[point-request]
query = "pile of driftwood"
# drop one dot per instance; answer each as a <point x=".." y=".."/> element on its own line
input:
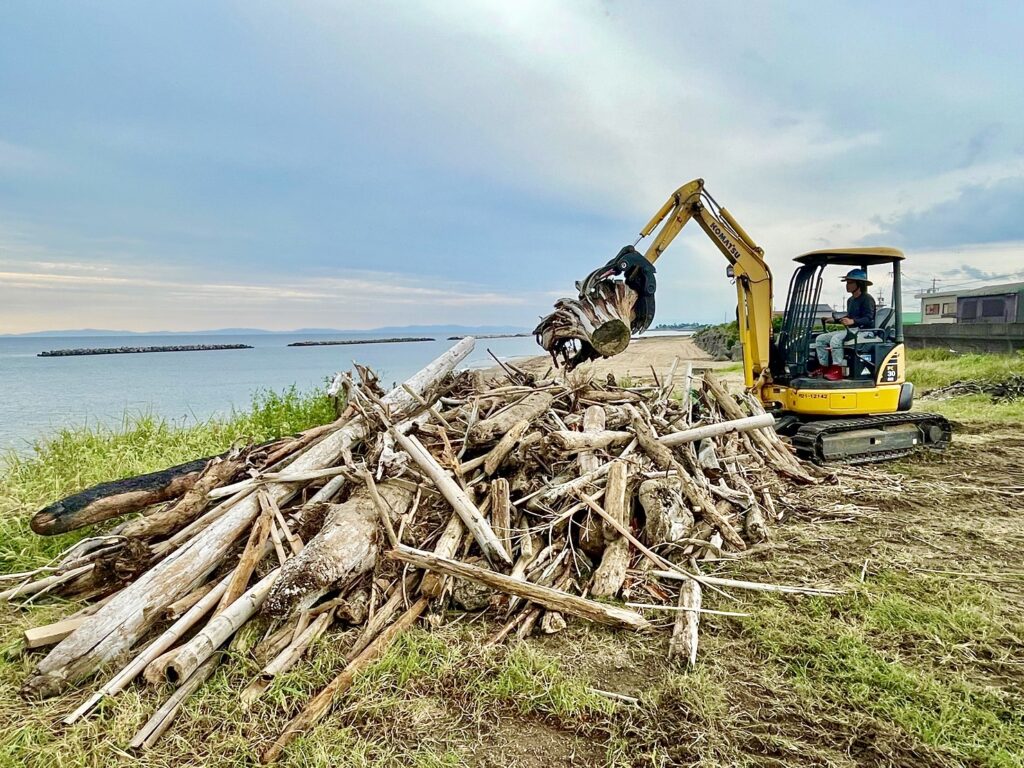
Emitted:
<point x="1001" y="390"/>
<point x="540" y="501"/>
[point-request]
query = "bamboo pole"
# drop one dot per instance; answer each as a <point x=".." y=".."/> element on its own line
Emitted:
<point x="222" y="626"/>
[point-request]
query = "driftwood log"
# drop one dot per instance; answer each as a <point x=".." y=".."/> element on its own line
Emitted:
<point x="683" y="645"/>
<point x="545" y="596"/>
<point x="118" y="497"/>
<point x="591" y="326"/>
<point x="611" y="572"/>
<point x="343" y="550"/>
<point x="494" y="428"/>
<point x="666" y="518"/>
<point x="696" y="495"/>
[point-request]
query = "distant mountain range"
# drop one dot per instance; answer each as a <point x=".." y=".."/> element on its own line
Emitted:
<point x="449" y="330"/>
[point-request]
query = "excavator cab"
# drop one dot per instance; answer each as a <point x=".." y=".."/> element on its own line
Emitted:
<point x="868" y="352"/>
<point x="864" y="416"/>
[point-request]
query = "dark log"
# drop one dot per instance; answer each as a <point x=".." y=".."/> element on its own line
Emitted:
<point x="192" y="503"/>
<point x="118" y="497"/>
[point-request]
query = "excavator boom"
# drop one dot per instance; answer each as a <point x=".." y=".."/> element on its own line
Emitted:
<point x="752" y="276"/>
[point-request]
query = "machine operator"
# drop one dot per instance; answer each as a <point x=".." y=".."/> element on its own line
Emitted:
<point x="860" y="313"/>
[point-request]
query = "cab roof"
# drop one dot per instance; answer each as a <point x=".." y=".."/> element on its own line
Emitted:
<point x="852" y="257"/>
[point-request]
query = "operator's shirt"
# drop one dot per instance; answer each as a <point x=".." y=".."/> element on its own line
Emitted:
<point x="861" y="309"/>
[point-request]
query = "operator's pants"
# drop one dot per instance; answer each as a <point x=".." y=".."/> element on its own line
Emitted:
<point x="831" y="341"/>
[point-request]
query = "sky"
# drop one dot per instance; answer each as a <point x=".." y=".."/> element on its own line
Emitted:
<point x="195" y="165"/>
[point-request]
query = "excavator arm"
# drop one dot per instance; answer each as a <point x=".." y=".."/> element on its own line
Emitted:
<point x="751" y="273"/>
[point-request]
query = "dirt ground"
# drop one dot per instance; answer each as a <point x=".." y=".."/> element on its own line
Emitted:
<point x="908" y="669"/>
<point x="637" y="361"/>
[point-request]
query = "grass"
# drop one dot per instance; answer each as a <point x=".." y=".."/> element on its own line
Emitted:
<point x="933" y="368"/>
<point x="76" y="458"/>
<point x="896" y="650"/>
<point x="930" y="369"/>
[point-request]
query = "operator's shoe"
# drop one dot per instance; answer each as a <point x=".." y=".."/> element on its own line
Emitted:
<point x="834" y="373"/>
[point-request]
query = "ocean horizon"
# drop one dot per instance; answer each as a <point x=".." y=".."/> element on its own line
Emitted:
<point x="40" y="395"/>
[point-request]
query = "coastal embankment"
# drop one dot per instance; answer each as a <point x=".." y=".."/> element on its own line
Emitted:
<point x="347" y="342"/>
<point x="140" y="350"/>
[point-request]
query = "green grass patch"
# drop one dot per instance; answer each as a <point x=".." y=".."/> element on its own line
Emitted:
<point x="521" y="676"/>
<point x="933" y="368"/>
<point x="894" y="649"/>
<point x="76" y="458"/>
<point x="978" y="408"/>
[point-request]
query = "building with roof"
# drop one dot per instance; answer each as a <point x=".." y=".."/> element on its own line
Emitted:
<point x="1002" y="303"/>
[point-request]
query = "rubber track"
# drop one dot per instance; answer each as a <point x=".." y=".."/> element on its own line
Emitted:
<point x="808" y="438"/>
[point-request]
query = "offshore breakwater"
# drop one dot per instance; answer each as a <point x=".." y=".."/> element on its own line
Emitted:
<point x="346" y="342"/>
<point x="140" y="350"/>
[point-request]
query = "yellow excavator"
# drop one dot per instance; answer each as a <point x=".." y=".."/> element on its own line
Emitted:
<point x="863" y="417"/>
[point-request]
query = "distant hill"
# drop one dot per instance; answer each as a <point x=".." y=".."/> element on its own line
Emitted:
<point x="418" y="330"/>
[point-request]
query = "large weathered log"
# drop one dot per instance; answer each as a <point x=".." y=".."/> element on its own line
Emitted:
<point x="344" y="549"/>
<point x="589" y="326"/>
<point x="577" y="442"/>
<point x="544" y="596"/>
<point x="501" y="512"/>
<point x="122" y="621"/>
<point x="667" y="519"/>
<point x="611" y="573"/>
<point x="664" y="459"/>
<point x="491" y="430"/>
<point x="154" y="650"/>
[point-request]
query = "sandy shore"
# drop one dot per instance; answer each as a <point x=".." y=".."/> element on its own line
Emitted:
<point x="640" y="357"/>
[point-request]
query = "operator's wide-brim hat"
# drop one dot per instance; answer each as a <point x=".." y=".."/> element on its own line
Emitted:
<point x="859" y="275"/>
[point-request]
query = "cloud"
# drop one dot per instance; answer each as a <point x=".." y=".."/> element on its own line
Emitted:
<point x="979" y="213"/>
<point x="478" y="156"/>
<point x="358" y="300"/>
<point x="17" y="157"/>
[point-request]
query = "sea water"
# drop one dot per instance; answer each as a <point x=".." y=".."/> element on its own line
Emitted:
<point x="40" y="395"/>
